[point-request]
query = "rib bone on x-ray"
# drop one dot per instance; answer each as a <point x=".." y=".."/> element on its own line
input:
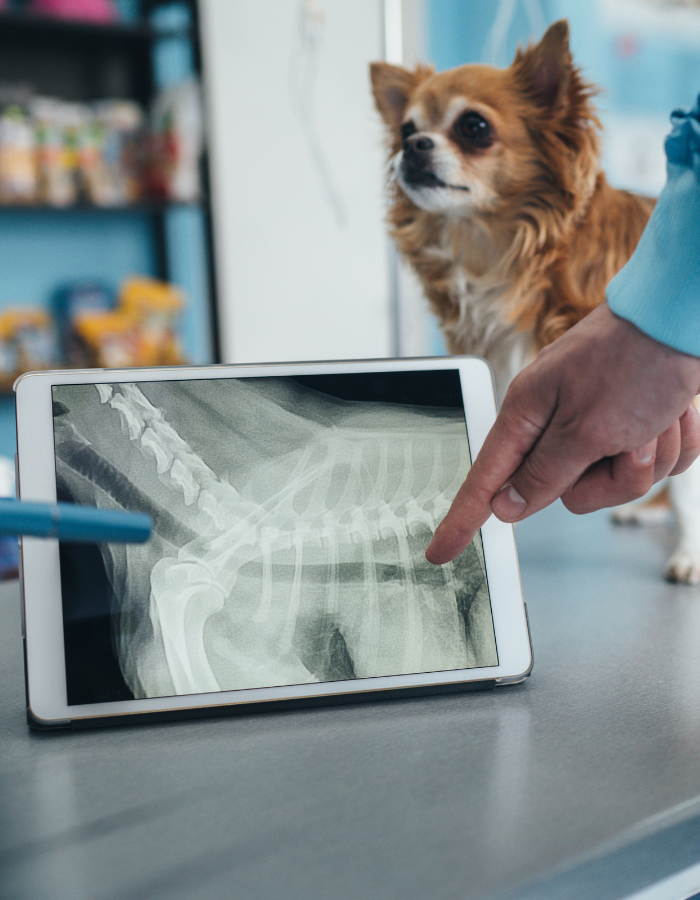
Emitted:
<point x="290" y="532"/>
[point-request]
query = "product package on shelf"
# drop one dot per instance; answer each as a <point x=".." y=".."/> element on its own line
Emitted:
<point x="140" y="331"/>
<point x="69" y="303"/>
<point x="105" y="153"/>
<point x="101" y="11"/>
<point x="175" y="144"/>
<point x="119" y="125"/>
<point x="28" y="342"/>
<point x="88" y="327"/>
<point x="59" y="154"/>
<point x="17" y="167"/>
<point x="54" y="121"/>
<point x="87" y="153"/>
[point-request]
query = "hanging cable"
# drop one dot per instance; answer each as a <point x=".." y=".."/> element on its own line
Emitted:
<point x="498" y="32"/>
<point x="495" y="44"/>
<point x="302" y="86"/>
<point x="535" y="13"/>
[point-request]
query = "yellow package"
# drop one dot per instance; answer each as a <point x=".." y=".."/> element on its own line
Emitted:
<point x="111" y="338"/>
<point x="155" y="305"/>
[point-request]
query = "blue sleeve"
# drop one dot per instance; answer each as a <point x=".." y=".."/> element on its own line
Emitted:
<point x="659" y="288"/>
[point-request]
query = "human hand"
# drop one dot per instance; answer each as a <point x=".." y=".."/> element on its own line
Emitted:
<point x="599" y="416"/>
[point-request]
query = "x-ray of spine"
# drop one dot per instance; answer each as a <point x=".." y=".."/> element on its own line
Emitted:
<point x="290" y="531"/>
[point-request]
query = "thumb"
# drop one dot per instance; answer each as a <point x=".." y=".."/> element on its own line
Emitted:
<point x="556" y="461"/>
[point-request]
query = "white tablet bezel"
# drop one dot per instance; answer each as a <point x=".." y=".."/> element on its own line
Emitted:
<point x="40" y="571"/>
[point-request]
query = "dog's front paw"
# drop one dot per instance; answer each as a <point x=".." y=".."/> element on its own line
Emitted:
<point x="641" y="513"/>
<point x="683" y="567"/>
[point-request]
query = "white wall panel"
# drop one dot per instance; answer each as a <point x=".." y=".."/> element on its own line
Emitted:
<point x="294" y="282"/>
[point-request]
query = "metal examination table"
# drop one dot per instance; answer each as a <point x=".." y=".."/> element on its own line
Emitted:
<point x="581" y="784"/>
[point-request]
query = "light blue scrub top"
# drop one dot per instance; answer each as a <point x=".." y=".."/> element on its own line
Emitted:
<point x="659" y="288"/>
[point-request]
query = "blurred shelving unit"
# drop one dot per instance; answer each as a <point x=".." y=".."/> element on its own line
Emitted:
<point x="42" y="246"/>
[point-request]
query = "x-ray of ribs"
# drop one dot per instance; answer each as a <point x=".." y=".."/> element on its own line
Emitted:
<point x="290" y="532"/>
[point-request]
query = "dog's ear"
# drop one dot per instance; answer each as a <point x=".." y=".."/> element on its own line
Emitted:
<point x="392" y="87"/>
<point x="545" y="70"/>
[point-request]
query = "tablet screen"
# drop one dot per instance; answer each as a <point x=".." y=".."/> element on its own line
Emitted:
<point x="291" y="517"/>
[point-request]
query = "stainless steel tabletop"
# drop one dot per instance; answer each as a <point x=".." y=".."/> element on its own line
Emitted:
<point x="523" y="790"/>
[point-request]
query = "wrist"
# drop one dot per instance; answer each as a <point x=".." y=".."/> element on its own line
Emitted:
<point x="629" y="332"/>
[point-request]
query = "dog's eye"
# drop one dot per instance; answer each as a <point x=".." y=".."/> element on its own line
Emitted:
<point x="474" y="128"/>
<point x="407" y="129"/>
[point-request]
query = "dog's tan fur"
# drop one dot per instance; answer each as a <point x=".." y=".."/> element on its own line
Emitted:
<point x="536" y="232"/>
<point x="513" y="230"/>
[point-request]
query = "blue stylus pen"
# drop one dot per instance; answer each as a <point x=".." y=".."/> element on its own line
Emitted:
<point x="69" y="522"/>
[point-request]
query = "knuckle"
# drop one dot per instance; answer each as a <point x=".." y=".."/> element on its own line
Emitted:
<point x="594" y="437"/>
<point x="585" y="496"/>
<point x="690" y="442"/>
<point x="469" y="509"/>
<point x="631" y="494"/>
<point x="611" y="482"/>
<point x="519" y="387"/>
<point x="523" y="407"/>
<point x="458" y="527"/>
<point x="685" y="461"/>
<point x="632" y="488"/>
<point x="534" y="475"/>
<point x="471" y="495"/>
<point x="585" y="435"/>
<point x="665" y="466"/>
<point x="575" y="505"/>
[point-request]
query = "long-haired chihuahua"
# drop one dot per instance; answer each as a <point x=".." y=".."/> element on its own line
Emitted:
<point x="499" y="204"/>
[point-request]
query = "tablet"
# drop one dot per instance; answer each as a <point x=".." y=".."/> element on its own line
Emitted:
<point x="292" y="506"/>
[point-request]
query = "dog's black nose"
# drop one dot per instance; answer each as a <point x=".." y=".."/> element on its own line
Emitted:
<point x="418" y="143"/>
<point x="417" y="162"/>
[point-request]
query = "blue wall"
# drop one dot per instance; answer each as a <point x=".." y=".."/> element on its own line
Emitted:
<point x="187" y="263"/>
<point x="457" y="31"/>
<point x="41" y="250"/>
<point x="639" y="71"/>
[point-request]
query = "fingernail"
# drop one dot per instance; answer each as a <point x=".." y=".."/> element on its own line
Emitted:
<point x="646" y="453"/>
<point x="508" y="504"/>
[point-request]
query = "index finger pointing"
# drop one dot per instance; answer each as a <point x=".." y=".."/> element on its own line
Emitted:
<point x="511" y="438"/>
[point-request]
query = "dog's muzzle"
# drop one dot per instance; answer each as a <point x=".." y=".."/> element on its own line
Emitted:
<point x="417" y="162"/>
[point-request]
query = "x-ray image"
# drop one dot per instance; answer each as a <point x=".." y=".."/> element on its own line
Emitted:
<point x="291" y="520"/>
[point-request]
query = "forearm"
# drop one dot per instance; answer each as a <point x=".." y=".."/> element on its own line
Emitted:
<point x="659" y="288"/>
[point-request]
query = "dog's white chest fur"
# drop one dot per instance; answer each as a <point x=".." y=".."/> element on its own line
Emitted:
<point x="483" y="328"/>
